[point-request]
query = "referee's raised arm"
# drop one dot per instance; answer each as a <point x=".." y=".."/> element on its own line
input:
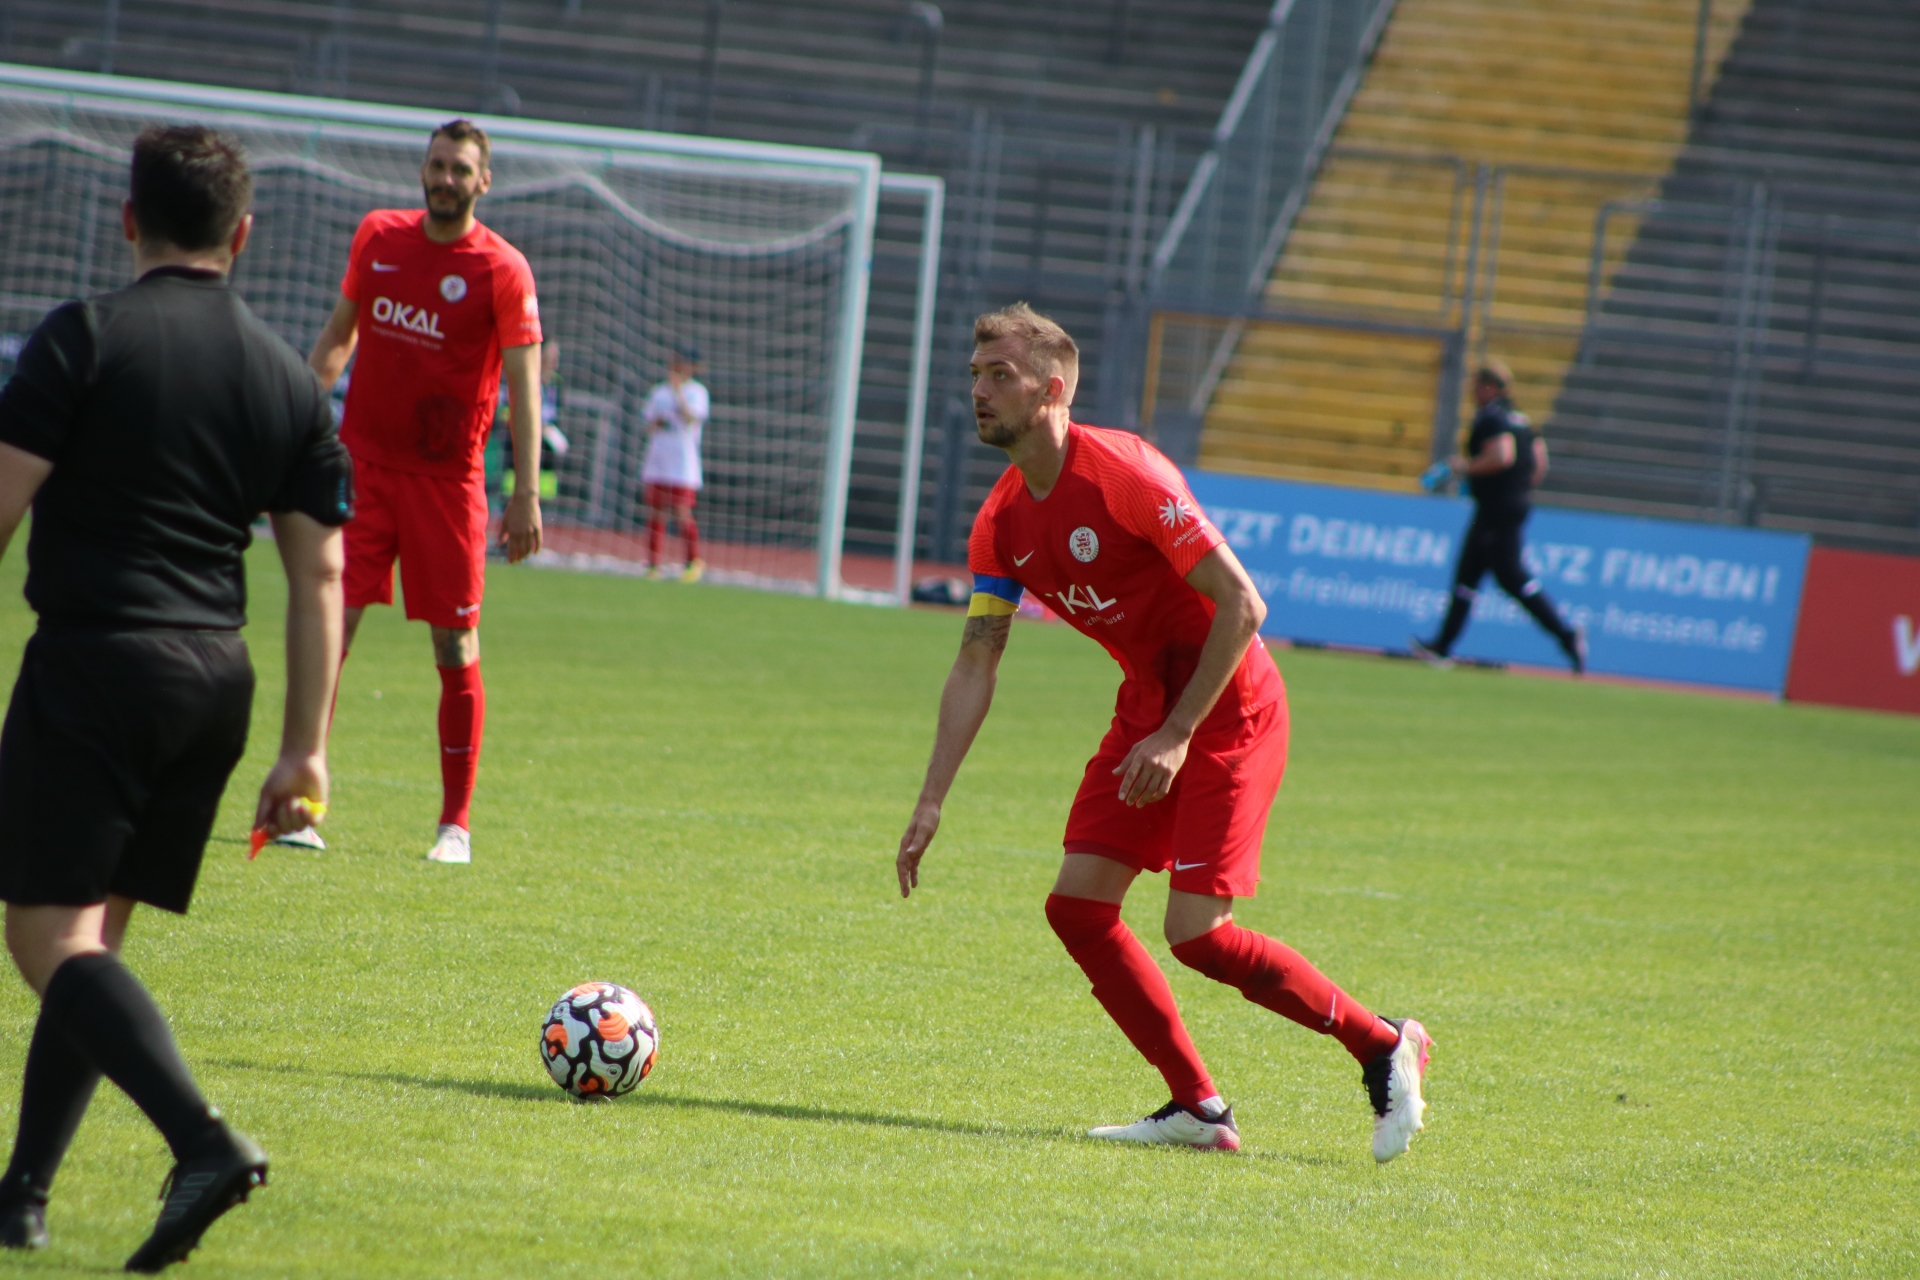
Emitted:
<point x="148" y="429"/>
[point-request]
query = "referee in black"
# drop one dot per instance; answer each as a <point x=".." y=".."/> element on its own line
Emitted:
<point x="1503" y="463"/>
<point x="147" y="429"/>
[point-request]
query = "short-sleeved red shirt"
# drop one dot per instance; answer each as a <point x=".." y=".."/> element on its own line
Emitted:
<point x="1109" y="550"/>
<point x="433" y="319"/>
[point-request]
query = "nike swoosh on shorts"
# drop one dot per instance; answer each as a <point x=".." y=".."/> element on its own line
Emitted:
<point x="1187" y="866"/>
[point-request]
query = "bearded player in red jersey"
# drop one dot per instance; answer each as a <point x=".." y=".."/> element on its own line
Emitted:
<point x="437" y="305"/>
<point x="1102" y="528"/>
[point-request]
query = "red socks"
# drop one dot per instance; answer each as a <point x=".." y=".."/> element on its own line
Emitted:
<point x="1275" y="976"/>
<point x="657" y="535"/>
<point x="1133" y="991"/>
<point x="463" y="710"/>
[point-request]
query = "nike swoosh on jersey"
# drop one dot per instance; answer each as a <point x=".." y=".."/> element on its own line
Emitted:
<point x="1187" y="866"/>
<point x="381" y="266"/>
<point x="1020" y="560"/>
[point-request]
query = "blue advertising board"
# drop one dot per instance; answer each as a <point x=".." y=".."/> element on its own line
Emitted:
<point x="1700" y="603"/>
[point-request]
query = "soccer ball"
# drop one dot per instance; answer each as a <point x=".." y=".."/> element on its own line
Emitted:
<point x="600" y="1041"/>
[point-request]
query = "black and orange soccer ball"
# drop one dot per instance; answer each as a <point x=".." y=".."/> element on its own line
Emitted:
<point x="599" y="1041"/>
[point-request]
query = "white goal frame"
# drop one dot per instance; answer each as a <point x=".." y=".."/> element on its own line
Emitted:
<point x="862" y="171"/>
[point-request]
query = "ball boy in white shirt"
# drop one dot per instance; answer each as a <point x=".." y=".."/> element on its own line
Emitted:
<point x="676" y="412"/>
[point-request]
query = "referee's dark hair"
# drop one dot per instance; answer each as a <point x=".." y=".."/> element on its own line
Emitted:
<point x="191" y="185"/>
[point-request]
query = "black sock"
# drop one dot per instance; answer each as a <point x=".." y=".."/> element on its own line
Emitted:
<point x="1547" y="616"/>
<point x="1456" y="623"/>
<point x="110" y="1018"/>
<point x="54" y="1092"/>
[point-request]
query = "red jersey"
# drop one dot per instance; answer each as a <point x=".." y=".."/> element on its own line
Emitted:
<point x="433" y="320"/>
<point x="1109" y="550"/>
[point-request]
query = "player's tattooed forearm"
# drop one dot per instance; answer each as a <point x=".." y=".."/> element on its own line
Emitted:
<point x="991" y="632"/>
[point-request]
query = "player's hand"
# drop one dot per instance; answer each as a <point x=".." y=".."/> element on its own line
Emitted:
<point x="913" y="845"/>
<point x="288" y="795"/>
<point x="1146" y="775"/>
<point x="521" y="529"/>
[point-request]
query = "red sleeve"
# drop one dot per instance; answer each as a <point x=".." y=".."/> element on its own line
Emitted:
<point x="982" y="557"/>
<point x="350" y="283"/>
<point x="516" y="310"/>
<point x="1149" y="498"/>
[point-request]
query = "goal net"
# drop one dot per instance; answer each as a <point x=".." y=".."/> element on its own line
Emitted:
<point x="641" y="244"/>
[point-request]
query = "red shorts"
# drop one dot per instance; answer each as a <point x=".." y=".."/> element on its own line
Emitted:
<point x="1208" y="829"/>
<point x="438" y="529"/>
<point x="670" y="497"/>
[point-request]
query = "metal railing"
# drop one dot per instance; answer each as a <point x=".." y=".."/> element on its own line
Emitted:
<point x="1239" y="205"/>
<point x="1460" y="315"/>
<point x="1752" y="361"/>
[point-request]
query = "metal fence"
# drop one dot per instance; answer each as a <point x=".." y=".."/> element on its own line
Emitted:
<point x="1211" y="262"/>
<point x="1755" y="360"/>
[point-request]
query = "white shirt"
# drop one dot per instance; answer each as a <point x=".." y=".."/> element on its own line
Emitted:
<point x="673" y="455"/>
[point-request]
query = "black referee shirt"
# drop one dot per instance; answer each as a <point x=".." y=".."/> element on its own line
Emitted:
<point x="1506" y="494"/>
<point x="173" y="417"/>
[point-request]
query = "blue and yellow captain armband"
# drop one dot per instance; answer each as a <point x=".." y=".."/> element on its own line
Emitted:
<point x="993" y="597"/>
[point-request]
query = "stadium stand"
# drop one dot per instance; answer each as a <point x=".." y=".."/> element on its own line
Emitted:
<point x="1758" y="357"/>
<point x="1064" y="131"/>
<point x="1456" y="206"/>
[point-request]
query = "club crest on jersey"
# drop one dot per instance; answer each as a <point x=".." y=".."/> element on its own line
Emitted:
<point x="402" y="316"/>
<point x="1084" y="543"/>
<point x="453" y="288"/>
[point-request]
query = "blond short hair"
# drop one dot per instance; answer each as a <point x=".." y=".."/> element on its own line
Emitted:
<point x="1495" y="373"/>
<point x="1051" y="348"/>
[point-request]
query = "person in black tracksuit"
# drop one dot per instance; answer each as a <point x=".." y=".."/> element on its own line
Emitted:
<point x="1503" y="463"/>
<point x="147" y="429"/>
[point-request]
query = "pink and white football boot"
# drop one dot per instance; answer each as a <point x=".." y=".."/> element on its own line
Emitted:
<point x="1177" y="1126"/>
<point x="1393" y="1086"/>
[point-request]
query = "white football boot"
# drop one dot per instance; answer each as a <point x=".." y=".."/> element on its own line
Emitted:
<point x="304" y="838"/>
<point x="1175" y="1126"/>
<point x="1393" y="1086"/>
<point x="452" y="845"/>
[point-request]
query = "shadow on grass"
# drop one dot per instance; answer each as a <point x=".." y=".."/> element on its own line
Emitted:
<point x="52" y="1264"/>
<point x="515" y="1092"/>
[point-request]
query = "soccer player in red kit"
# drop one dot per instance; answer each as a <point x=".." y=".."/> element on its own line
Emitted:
<point x="1102" y="528"/>
<point x="437" y="305"/>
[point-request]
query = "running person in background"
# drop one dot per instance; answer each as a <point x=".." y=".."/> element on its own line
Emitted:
<point x="148" y="428"/>
<point x="1504" y="461"/>
<point x="436" y="305"/>
<point x="676" y="413"/>
<point x="1102" y="528"/>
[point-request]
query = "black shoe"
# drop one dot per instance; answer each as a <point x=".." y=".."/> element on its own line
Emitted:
<point x="23" y="1223"/>
<point x="1428" y="654"/>
<point x="196" y="1193"/>
<point x="1576" y="650"/>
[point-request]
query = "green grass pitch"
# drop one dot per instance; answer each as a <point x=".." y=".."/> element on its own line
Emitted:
<point x="1666" y="944"/>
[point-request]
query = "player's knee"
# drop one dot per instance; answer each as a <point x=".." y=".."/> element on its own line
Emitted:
<point x="456" y="647"/>
<point x="1079" y="921"/>
<point x="1204" y="953"/>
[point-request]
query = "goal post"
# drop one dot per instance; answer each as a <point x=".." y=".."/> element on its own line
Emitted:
<point x="641" y="243"/>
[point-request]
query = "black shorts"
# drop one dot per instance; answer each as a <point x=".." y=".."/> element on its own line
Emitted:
<point x="117" y="747"/>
